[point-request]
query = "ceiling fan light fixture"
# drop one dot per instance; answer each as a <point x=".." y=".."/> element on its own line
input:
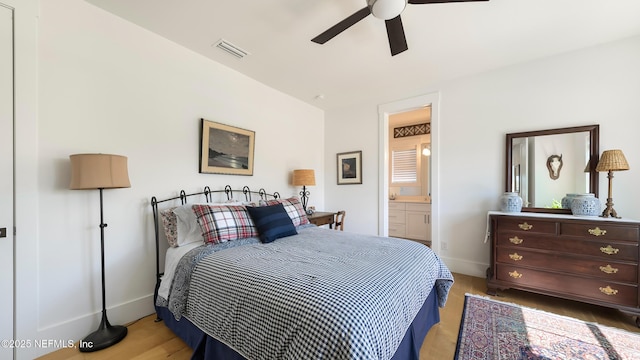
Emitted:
<point x="386" y="9"/>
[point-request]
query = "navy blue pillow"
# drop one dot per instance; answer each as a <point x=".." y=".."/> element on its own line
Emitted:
<point x="272" y="222"/>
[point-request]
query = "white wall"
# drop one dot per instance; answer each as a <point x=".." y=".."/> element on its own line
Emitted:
<point x="598" y="85"/>
<point x="106" y="85"/>
<point x="353" y="129"/>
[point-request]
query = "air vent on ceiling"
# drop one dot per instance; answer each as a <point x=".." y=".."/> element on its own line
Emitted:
<point x="231" y="49"/>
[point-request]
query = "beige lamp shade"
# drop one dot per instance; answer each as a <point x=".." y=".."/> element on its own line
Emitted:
<point x="304" y="177"/>
<point x="612" y="160"/>
<point x="98" y="171"/>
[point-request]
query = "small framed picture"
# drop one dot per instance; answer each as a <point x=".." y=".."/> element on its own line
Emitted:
<point x="226" y="149"/>
<point x="350" y="168"/>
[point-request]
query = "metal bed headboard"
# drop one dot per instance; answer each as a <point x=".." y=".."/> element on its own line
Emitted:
<point x="208" y="195"/>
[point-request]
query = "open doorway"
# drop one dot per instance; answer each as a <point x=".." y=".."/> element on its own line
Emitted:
<point x="414" y="211"/>
<point x="409" y="186"/>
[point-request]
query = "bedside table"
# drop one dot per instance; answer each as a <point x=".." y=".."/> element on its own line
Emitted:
<point x="320" y="218"/>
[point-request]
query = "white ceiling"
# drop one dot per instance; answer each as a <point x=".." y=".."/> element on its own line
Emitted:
<point x="445" y="41"/>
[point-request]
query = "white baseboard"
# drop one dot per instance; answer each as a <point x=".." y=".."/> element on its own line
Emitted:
<point x="466" y="267"/>
<point x="53" y="337"/>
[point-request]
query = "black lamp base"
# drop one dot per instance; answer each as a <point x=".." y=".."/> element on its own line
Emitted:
<point x="103" y="338"/>
<point x="304" y="197"/>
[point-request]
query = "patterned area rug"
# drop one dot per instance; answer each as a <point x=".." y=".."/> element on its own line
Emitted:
<point x="496" y="330"/>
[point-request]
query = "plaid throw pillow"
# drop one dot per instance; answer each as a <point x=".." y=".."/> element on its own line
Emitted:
<point x="293" y="207"/>
<point x="221" y="223"/>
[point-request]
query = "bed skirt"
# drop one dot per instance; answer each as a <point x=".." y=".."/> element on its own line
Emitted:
<point x="207" y="348"/>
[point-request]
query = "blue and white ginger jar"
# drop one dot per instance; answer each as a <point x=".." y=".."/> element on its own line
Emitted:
<point x="510" y="202"/>
<point x="566" y="201"/>
<point x="585" y="205"/>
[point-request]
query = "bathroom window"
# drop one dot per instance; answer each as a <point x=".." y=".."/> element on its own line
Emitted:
<point x="404" y="166"/>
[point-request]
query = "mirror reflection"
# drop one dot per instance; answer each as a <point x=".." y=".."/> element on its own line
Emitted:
<point x="544" y="166"/>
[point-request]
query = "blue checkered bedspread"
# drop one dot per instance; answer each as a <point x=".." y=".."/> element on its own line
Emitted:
<point x="321" y="294"/>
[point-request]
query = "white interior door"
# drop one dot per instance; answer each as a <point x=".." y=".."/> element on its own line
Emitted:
<point x="6" y="180"/>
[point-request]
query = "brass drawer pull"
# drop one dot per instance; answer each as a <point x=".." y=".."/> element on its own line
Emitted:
<point x="516" y="240"/>
<point x="608" y="291"/>
<point x="609" y="250"/>
<point x="524" y="226"/>
<point x="597" y="232"/>
<point x="608" y="269"/>
<point x="514" y="274"/>
<point x="515" y="257"/>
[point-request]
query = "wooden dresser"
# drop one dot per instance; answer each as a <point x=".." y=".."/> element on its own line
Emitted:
<point x="588" y="259"/>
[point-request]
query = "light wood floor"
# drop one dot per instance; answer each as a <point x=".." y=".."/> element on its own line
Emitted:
<point x="150" y="340"/>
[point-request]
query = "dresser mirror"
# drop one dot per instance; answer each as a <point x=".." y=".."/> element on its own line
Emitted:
<point x="543" y="166"/>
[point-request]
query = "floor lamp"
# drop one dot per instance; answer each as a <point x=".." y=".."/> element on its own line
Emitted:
<point x="91" y="172"/>
<point x="611" y="160"/>
<point x="304" y="178"/>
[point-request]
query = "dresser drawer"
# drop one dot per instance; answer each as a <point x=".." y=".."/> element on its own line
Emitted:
<point x="526" y="225"/>
<point x="594" y="289"/>
<point x="610" y="250"/>
<point x="607" y="270"/>
<point x="520" y="240"/>
<point x="602" y="231"/>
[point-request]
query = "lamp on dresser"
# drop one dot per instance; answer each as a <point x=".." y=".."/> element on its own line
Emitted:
<point x="304" y="178"/>
<point x="98" y="172"/>
<point x="611" y="160"/>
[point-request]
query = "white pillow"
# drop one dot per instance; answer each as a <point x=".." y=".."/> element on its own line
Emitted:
<point x="188" y="229"/>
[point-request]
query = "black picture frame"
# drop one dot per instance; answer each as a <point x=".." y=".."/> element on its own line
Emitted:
<point x="349" y="167"/>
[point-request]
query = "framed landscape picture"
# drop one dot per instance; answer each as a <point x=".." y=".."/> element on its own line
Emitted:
<point x="350" y="168"/>
<point x="226" y="149"/>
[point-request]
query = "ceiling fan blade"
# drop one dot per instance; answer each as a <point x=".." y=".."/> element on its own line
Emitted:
<point x="342" y="26"/>
<point x="439" y="1"/>
<point x="395" y="32"/>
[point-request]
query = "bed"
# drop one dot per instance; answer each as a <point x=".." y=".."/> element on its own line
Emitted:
<point x="252" y="279"/>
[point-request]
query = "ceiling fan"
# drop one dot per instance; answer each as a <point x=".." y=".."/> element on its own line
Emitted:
<point x="387" y="10"/>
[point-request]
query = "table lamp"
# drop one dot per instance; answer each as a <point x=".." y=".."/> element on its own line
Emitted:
<point x="304" y="178"/>
<point x="611" y="160"/>
<point x="91" y="172"/>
